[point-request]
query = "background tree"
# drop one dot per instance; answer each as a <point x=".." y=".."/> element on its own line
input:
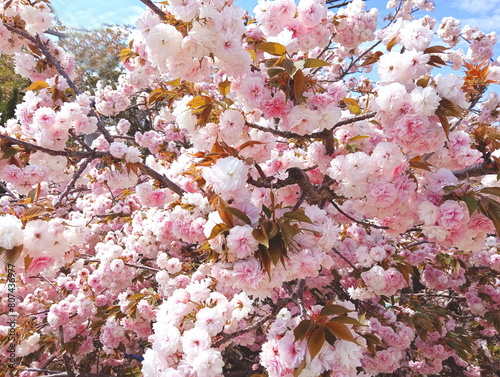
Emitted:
<point x="11" y="86"/>
<point x="96" y="53"/>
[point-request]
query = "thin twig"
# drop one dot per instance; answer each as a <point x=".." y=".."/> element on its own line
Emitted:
<point x="357" y="221"/>
<point x="52" y="152"/>
<point x="300" y="297"/>
<point x="141" y="266"/>
<point x="155" y="9"/>
<point x="316" y="135"/>
<point x="346" y="260"/>
<point x="257" y="325"/>
<point x="7" y="191"/>
<point x="161" y="178"/>
<point x="66" y="357"/>
<point x="73" y="180"/>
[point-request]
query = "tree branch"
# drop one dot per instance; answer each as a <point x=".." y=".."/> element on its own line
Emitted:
<point x="66" y="357"/>
<point x="477" y="170"/>
<point x="161" y="178"/>
<point x="355" y="119"/>
<point x="66" y="153"/>
<point x="357" y="221"/>
<point x="7" y="191"/>
<point x="346" y="260"/>
<point x="323" y="134"/>
<point x="73" y="180"/>
<point x="155" y="9"/>
<point x="53" y="61"/>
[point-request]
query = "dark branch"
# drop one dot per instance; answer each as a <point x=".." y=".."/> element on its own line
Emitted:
<point x="162" y="179"/>
<point x="477" y="170"/>
<point x="357" y="221"/>
<point x="73" y="180"/>
<point x="155" y="9"/>
<point x="52" y="152"/>
<point x="346" y="260"/>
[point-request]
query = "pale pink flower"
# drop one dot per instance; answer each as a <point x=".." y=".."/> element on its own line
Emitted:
<point x="166" y="340"/>
<point x="228" y="174"/>
<point x="311" y="12"/>
<point x="428" y="212"/>
<point x="449" y="31"/>
<point x="425" y="100"/>
<point x="241" y="242"/>
<point x="415" y="36"/>
<point x="290" y="351"/>
<point x="118" y="149"/>
<point x="382" y="194"/>
<point x="442" y="178"/>
<point x="38" y="18"/>
<point x="184" y="10"/>
<point x="453" y="214"/>
<point x="195" y="341"/>
<point x="11" y="234"/>
<point x="248" y="272"/>
<point x="211" y="320"/>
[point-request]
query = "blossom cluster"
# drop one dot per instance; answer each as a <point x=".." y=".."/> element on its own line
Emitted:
<point x="309" y="195"/>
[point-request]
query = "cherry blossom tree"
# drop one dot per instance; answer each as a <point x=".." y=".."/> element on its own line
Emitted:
<point x="314" y="196"/>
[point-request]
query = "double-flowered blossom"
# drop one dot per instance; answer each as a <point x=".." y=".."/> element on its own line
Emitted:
<point x="301" y="195"/>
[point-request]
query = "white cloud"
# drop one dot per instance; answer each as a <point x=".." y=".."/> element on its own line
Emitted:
<point x="477" y="6"/>
<point x="92" y="14"/>
<point x="485" y="24"/>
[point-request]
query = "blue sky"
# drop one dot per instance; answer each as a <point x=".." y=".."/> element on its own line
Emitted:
<point x="92" y="13"/>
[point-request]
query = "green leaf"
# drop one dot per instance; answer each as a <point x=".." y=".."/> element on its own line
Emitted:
<point x="315" y="63"/>
<point x="9" y="152"/>
<point x="450" y="189"/>
<point x="273" y="48"/>
<point x="271" y="228"/>
<point x="276" y="249"/>
<point x="266" y="211"/>
<point x="333" y="309"/>
<point x="302" y="328"/>
<point x="237" y="213"/>
<point x="271" y="62"/>
<point x="348" y="320"/>
<point x="491" y="191"/>
<point x="457" y="347"/>
<point x="315" y="342"/>
<point x="289" y="66"/>
<point x="261" y="236"/>
<point x="288" y="232"/>
<point x="274" y="72"/>
<point x="340" y="330"/>
<point x="297" y="216"/>
<point x="472" y="203"/>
